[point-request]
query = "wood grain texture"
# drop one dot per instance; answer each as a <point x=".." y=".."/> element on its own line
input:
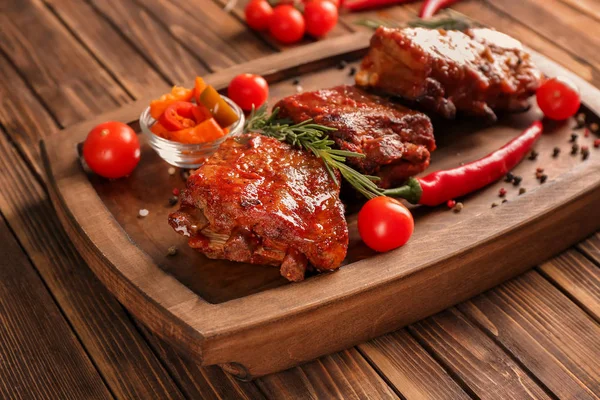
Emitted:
<point x="198" y="382"/>
<point x="344" y="375"/>
<point x="202" y="27"/>
<point x="22" y="115"/>
<point x="40" y="357"/>
<point x="587" y="7"/>
<point x="125" y="361"/>
<point x="410" y="369"/>
<point x="591" y="247"/>
<point x="63" y="74"/>
<point x="124" y="62"/>
<point x="544" y="330"/>
<point x="558" y="22"/>
<point x="153" y="39"/>
<point x="475" y="359"/>
<point x="578" y="278"/>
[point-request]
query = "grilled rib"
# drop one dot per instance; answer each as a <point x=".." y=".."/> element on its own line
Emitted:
<point x="395" y="140"/>
<point x="478" y="71"/>
<point x="260" y="201"/>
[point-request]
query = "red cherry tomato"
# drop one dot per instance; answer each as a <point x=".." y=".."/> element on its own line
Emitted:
<point x="247" y="90"/>
<point x="287" y="24"/>
<point x="177" y="116"/>
<point x="385" y="224"/>
<point x="558" y="98"/>
<point x="321" y="17"/>
<point x="258" y="14"/>
<point x="112" y="150"/>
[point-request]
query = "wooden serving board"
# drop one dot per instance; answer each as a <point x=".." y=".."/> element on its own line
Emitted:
<point x="250" y="320"/>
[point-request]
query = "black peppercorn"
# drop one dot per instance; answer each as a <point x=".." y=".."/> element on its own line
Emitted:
<point x="517" y="180"/>
<point x="574" y="148"/>
<point x="533" y="155"/>
<point x="509" y="177"/>
<point x="555" y="152"/>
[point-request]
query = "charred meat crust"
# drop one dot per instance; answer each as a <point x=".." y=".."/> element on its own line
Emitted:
<point x="392" y="137"/>
<point x="478" y="71"/>
<point x="260" y="201"/>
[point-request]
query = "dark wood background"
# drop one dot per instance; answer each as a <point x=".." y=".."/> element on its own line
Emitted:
<point x="62" y="335"/>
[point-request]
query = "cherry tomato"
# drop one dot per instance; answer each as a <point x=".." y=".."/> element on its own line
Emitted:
<point x="258" y="14"/>
<point x="385" y="224"/>
<point x="112" y="150"/>
<point x="247" y="90"/>
<point x="287" y="24"/>
<point x="179" y="115"/>
<point x="558" y="98"/>
<point x="321" y="17"/>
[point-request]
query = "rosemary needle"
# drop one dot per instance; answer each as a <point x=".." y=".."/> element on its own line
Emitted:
<point x="314" y="138"/>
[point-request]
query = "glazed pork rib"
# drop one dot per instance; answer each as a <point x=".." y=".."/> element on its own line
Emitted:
<point x="396" y="141"/>
<point x="260" y="201"/>
<point x="477" y="71"/>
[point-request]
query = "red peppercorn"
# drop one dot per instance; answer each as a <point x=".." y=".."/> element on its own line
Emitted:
<point x="586" y="132"/>
<point x="597" y="143"/>
<point x="451" y="203"/>
<point x="176" y="192"/>
<point x="502" y="192"/>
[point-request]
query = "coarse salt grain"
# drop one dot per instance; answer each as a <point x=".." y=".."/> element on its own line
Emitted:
<point x="299" y="89"/>
<point x="143" y="212"/>
<point x="171" y="171"/>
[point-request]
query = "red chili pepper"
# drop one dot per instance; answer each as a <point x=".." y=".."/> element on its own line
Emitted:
<point x="441" y="186"/>
<point x="356" y="5"/>
<point x="177" y="116"/>
<point x="430" y="7"/>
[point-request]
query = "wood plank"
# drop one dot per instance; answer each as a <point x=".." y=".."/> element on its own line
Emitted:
<point x="40" y="356"/>
<point x="204" y="29"/>
<point x="557" y="22"/>
<point x="115" y="53"/>
<point x="487" y="371"/>
<point x="589" y="7"/>
<point x="552" y="337"/>
<point x="591" y="247"/>
<point x="22" y="115"/>
<point x="126" y="362"/>
<point x="409" y="368"/>
<point x="578" y="277"/>
<point x="198" y="382"/>
<point x="129" y="254"/>
<point x="63" y="74"/>
<point x="343" y="375"/>
<point x="153" y="39"/>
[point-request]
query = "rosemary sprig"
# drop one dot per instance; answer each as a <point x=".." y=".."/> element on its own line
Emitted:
<point x="452" y="21"/>
<point x="313" y="137"/>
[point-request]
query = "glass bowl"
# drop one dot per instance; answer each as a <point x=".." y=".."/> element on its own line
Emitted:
<point x="188" y="155"/>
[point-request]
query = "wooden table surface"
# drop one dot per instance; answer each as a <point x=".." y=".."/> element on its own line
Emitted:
<point x="63" y="335"/>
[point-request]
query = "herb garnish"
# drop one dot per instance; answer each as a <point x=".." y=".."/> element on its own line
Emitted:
<point x="313" y="137"/>
<point x="453" y="21"/>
